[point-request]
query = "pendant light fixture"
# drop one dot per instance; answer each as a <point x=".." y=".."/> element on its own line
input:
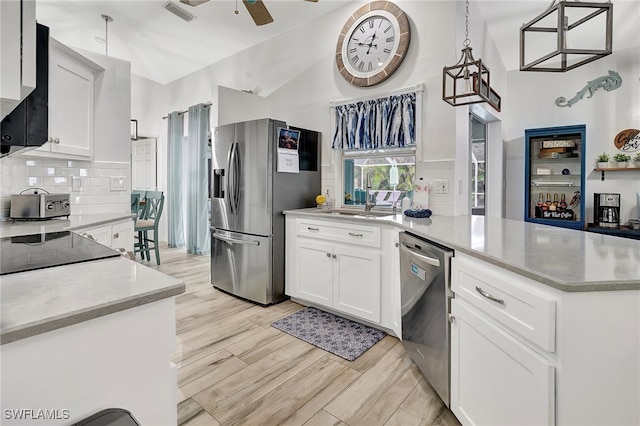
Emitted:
<point x="574" y="32"/>
<point x="466" y="82"/>
<point x="107" y="19"/>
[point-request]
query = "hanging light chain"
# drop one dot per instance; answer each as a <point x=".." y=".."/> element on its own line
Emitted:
<point x="107" y="19"/>
<point x="466" y="42"/>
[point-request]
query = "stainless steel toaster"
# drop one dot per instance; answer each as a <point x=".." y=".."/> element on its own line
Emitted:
<point x="39" y="206"/>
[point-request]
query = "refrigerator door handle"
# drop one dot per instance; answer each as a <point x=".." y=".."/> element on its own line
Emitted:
<point x="231" y="178"/>
<point x="237" y="170"/>
<point x="235" y="240"/>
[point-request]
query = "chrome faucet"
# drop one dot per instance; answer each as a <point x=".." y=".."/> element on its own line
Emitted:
<point x="370" y="199"/>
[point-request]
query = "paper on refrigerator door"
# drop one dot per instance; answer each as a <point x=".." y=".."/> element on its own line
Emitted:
<point x="288" y="161"/>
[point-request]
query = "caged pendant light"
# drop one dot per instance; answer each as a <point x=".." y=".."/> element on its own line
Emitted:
<point x="574" y="32"/>
<point x="466" y="82"/>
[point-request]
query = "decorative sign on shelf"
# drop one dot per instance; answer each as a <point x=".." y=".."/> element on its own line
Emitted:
<point x="607" y="82"/>
<point x="628" y="140"/>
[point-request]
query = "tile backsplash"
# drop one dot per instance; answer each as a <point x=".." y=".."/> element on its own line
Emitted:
<point x="91" y="194"/>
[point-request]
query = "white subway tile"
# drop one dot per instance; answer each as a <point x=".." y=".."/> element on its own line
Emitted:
<point x="33" y="162"/>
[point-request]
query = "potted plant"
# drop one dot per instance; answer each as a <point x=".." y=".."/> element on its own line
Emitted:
<point x="636" y="160"/>
<point x="602" y="160"/>
<point x="622" y="159"/>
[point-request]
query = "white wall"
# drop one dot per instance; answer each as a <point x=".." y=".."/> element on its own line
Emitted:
<point x="300" y="89"/>
<point x="531" y="101"/>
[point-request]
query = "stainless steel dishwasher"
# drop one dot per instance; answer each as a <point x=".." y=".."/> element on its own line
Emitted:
<point x="426" y="303"/>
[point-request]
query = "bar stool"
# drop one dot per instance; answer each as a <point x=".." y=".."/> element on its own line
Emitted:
<point x="149" y="221"/>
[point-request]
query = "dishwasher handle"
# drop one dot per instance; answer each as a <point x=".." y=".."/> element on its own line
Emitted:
<point x="412" y="252"/>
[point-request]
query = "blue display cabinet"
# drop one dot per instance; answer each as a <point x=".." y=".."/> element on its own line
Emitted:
<point x="555" y="176"/>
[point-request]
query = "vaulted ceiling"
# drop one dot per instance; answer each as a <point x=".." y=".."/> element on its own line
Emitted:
<point x="163" y="47"/>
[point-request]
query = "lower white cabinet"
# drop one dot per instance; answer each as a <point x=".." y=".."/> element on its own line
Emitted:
<point x="340" y="276"/>
<point x="344" y="266"/>
<point x="496" y="379"/>
<point x="118" y="235"/>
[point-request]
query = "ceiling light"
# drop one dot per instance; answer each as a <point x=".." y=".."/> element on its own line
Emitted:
<point x="562" y="27"/>
<point x="179" y="12"/>
<point x="466" y="82"/>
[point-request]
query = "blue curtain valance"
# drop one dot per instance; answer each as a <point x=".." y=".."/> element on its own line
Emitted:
<point x="376" y="124"/>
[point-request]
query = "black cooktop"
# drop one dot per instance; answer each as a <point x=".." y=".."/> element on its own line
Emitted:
<point x="38" y="251"/>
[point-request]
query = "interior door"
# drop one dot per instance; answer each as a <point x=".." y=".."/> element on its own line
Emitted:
<point x="144" y="164"/>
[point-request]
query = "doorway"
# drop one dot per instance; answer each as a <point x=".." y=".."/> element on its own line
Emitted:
<point x="144" y="167"/>
<point x="478" y="164"/>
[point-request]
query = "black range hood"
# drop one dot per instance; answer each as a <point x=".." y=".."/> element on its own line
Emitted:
<point x="27" y="126"/>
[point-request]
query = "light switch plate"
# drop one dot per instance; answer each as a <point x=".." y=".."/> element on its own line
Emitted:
<point x="441" y="187"/>
<point x="118" y="183"/>
<point x="76" y="184"/>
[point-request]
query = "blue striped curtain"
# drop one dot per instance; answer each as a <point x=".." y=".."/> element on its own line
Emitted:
<point x="376" y="124"/>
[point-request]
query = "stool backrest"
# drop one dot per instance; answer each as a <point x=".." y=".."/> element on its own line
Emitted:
<point x="154" y="202"/>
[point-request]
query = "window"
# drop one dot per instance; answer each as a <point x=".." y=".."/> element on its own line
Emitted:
<point x="478" y="165"/>
<point x="378" y="165"/>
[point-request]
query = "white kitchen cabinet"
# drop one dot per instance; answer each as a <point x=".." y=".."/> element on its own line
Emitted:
<point x="118" y="235"/>
<point x="18" y="53"/>
<point x="337" y="265"/>
<point x="71" y="104"/>
<point x="496" y="379"/>
<point x="502" y="336"/>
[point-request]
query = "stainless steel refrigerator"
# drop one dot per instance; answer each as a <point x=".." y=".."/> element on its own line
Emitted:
<point x="248" y="196"/>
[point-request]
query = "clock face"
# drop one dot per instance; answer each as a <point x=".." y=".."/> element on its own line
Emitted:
<point x="372" y="43"/>
<point x="370" y="46"/>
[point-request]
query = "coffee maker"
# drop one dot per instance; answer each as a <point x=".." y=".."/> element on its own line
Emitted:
<point x="606" y="210"/>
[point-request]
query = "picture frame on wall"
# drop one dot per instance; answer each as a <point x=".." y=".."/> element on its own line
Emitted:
<point x="134" y="130"/>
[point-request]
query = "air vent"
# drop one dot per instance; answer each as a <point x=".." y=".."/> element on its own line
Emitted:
<point x="179" y="12"/>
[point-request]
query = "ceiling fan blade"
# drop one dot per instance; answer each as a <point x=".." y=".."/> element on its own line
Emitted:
<point x="258" y="12"/>
<point x="193" y="2"/>
<point x="315" y="1"/>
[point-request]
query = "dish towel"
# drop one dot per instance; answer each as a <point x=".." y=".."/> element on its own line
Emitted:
<point x="420" y="213"/>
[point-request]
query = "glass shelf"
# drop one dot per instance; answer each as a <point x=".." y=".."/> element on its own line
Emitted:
<point x="549" y="184"/>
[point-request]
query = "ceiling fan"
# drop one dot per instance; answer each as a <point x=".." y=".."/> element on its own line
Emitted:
<point x="256" y="8"/>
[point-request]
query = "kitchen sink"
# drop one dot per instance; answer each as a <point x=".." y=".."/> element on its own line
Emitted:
<point x="355" y="213"/>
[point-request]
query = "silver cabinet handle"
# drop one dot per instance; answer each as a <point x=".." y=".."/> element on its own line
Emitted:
<point x="56" y="140"/>
<point x="488" y="296"/>
<point x="116" y="235"/>
<point x="353" y="234"/>
<point x="334" y="256"/>
<point x="328" y="254"/>
<point x="312" y="229"/>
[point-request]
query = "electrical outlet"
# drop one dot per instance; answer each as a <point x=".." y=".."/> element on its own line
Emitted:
<point x="76" y="184"/>
<point x="118" y="183"/>
<point x="441" y="187"/>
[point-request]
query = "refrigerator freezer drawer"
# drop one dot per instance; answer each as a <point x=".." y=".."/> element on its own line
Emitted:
<point x="241" y="265"/>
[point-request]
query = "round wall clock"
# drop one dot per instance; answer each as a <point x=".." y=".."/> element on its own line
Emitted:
<point x="372" y="43"/>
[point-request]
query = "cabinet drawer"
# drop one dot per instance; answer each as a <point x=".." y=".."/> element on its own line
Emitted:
<point x="339" y="232"/>
<point x="509" y="298"/>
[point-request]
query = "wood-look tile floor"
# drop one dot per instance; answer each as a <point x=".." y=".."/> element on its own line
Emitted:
<point x="235" y="369"/>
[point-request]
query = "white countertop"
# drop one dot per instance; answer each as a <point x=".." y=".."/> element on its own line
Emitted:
<point x="11" y="229"/>
<point x="39" y="301"/>
<point x="566" y="259"/>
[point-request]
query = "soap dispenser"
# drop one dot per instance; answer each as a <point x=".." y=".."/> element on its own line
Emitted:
<point x="327" y="202"/>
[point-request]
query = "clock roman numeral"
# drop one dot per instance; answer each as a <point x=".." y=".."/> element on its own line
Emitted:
<point x="387" y="50"/>
<point x="387" y="29"/>
<point x="370" y="66"/>
<point x="390" y="39"/>
<point x="353" y="50"/>
<point x="361" y="65"/>
<point x="371" y="22"/>
<point x="355" y="59"/>
<point x="361" y="29"/>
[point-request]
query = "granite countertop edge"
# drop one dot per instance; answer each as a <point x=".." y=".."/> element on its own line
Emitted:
<point x="397" y="221"/>
<point x="24" y="331"/>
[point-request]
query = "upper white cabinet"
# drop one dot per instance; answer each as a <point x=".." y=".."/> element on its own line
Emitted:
<point x="17" y="52"/>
